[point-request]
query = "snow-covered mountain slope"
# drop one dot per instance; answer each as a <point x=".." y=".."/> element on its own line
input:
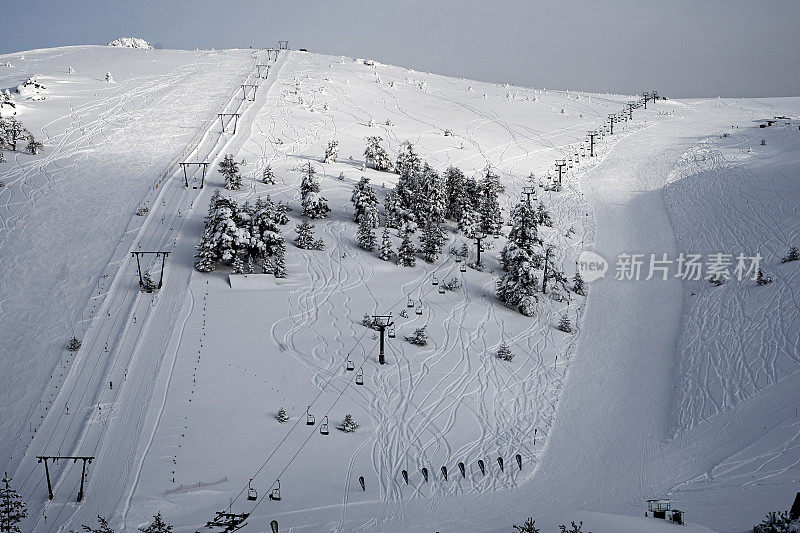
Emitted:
<point x="602" y="418"/>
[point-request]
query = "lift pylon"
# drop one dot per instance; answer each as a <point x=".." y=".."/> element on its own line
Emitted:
<point x="187" y="164"/>
<point x="231" y="117"/>
<point x="45" y="458"/>
<point x="382" y="322"/>
<point x="262" y="70"/>
<point x="249" y="88"/>
<point x="163" y="255"/>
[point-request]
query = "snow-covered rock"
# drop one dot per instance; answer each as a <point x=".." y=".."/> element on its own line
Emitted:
<point x="130" y="42"/>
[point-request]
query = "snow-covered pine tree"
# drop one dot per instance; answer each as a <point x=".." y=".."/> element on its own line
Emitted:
<point x="305" y="235"/>
<point x="268" y="176"/>
<point x="431" y="198"/>
<point x="12" y="507"/>
<point x="282" y="416"/>
<point x="565" y="325"/>
<point x="206" y="253"/>
<point x="543" y="216"/>
<point x="230" y="171"/>
<point x="104" y="527"/>
<point x="348" y="425"/>
<point x="419" y="338"/>
<point x="578" y="285"/>
<point x="523" y="235"/>
<point x="279" y="270"/>
<point x="157" y="525"/>
<point x="470" y="222"/>
<point x="405" y="253"/>
<point x="431" y="241"/>
<point x="249" y="266"/>
<point x="408" y="162"/>
<point x="504" y="352"/>
<point x="331" y="152"/>
<point x="518" y="284"/>
<point x="365" y="202"/>
<point x="74" y="344"/>
<point x="375" y="156"/>
<point x="280" y="213"/>
<point x="793" y="255"/>
<point x="489" y="205"/>
<point x="314" y="205"/>
<point x="266" y="266"/>
<point x="34" y="146"/>
<point x="148" y="283"/>
<point x="391" y="207"/>
<point x="386" y="246"/>
<point x="366" y="235"/>
<point x="265" y="235"/>
<point x="237" y="267"/>
<point x="109" y="77"/>
<point x="575" y="528"/>
<point x="11" y="131"/>
<point x="464" y="252"/>
<point x="453" y="185"/>
<point x="528" y="527"/>
<point x="763" y="279"/>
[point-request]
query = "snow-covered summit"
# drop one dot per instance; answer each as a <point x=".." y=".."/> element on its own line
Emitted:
<point x="130" y="42"/>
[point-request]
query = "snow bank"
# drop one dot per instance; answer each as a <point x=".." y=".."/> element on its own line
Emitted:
<point x="130" y="42"/>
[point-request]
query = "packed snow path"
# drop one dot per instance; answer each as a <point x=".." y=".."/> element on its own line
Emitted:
<point x="118" y="363"/>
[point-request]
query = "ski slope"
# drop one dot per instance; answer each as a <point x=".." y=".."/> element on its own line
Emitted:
<point x="665" y="387"/>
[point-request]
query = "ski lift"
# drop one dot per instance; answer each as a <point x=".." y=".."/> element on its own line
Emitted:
<point x="275" y="494"/>
<point x="463" y="267"/>
<point x="392" y="333"/>
<point x="458" y="259"/>
<point x="410" y="302"/>
<point x="323" y="427"/>
<point x="350" y="365"/>
<point x="360" y="376"/>
<point x="441" y="289"/>
<point x="435" y="280"/>
<point x="310" y="420"/>
<point x="252" y="494"/>
<point x="419" y="308"/>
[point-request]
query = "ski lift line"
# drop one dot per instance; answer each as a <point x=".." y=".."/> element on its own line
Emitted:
<point x="195" y="141"/>
<point x="113" y="367"/>
<point x="299" y="418"/>
<point x="308" y="438"/>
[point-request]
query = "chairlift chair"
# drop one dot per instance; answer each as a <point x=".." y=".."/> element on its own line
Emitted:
<point x="463" y="267"/>
<point x="323" y="427"/>
<point x="441" y="289"/>
<point x="435" y="280"/>
<point x="410" y="302"/>
<point x="360" y="376"/>
<point x="310" y="420"/>
<point x="275" y="494"/>
<point x="392" y="333"/>
<point x="419" y="308"/>
<point x="350" y="365"/>
<point x="252" y="494"/>
<point x="458" y="259"/>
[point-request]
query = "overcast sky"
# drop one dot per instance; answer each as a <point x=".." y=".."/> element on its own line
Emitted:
<point x="680" y="48"/>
